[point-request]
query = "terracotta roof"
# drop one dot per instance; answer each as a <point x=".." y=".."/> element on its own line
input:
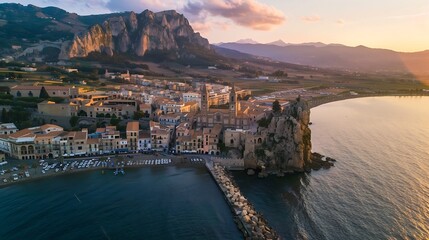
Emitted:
<point x="133" y="126"/>
<point x="48" y="135"/>
<point x="93" y="141"/>
<point x="46" y="126"/>
<point x="144" y="134"/>
<point x="191" y="103"/>
<point x="21" y="133"/>
<point x="23" y="87"/>
<point x="100" y="130"/>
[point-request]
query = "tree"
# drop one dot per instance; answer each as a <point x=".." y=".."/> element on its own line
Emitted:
<point x="279" y="73"/>
<point x="276" y="107"/>
<point x="74" y="120"/>
<point x="137" y="115"/>
<point x="43" y="93"/>
<point x="115" y="121"/>
<point x="4" y="117"/>
<point x="82" y="113"/>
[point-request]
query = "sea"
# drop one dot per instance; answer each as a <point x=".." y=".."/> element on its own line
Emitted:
<point x="378" y="188"/>
<point x="149" y="203"/>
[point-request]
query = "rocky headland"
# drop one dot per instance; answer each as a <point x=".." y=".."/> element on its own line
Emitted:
<point x="284" y="145"/>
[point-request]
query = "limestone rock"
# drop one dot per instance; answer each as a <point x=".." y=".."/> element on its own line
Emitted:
<point x="137" y="34"/>
<point x="287" y="144"/>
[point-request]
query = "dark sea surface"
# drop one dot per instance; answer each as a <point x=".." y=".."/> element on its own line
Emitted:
<point x="378" y="189"/>
<point x="148" y="203"/>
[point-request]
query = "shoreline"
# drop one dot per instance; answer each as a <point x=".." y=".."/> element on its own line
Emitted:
<point x="336" y="98"/>
<point x="175" y="161"/>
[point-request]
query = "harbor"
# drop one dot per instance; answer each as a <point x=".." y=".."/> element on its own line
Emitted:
<point x="251" y="223"/>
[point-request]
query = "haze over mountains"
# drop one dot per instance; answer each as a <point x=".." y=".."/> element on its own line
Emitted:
<point x="336" y="56"/>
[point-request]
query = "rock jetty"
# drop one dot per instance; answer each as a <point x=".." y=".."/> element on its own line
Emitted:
<point x="250" y="222"/>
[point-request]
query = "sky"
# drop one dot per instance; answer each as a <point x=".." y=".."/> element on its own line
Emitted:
<point x="401" y="25"/>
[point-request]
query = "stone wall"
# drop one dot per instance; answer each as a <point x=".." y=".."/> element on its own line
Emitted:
<point x="229" y="163"/>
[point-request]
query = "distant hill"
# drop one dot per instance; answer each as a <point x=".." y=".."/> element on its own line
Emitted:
<point x="338" y="56"/>
<point x="247" y="40"/>
<point x="279" y="43"/>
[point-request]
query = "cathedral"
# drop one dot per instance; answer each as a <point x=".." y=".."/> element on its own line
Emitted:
<point x="233" y="117"/>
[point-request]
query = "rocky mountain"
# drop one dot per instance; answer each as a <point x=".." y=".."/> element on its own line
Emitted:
<point x="287" y="141"/>
<point x="137" y="34"/>
<point x="33" y="29"/>
<point x="336" y="56"/>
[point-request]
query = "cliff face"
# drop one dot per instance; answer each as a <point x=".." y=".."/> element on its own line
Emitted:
<point x="287" y="140"/>
<point x="137" y="34"/>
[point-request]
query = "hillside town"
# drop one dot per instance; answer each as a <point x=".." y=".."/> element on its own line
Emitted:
<point x="141" y="117"/>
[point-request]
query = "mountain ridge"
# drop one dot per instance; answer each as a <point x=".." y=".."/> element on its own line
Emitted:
<point x="337" y="56"/>
<point x="34" y="28"/>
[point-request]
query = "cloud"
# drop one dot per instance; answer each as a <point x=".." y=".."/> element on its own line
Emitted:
<point x="204" y="14"/>
<point x="310" y="19"/>
<point x="340" y="22"/>
<point x="247" y="13"/>
<point x="141" y="5"/>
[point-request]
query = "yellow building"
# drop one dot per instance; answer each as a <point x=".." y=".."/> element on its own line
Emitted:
<point x="233" y="117"/>
<point x="57" y="109"/>
<point x="133" y="136"/>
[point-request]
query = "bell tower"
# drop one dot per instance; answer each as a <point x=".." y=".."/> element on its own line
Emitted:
<point x="204" y="99"/>
<point x="233" y="103"/>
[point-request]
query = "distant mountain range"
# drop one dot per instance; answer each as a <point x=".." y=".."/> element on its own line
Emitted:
<point x="48" y="34"/>
<point x="336" y="56"/>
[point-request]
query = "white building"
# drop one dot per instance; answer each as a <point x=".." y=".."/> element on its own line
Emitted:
<point x="144" y="142"/>
<point x="7" y="128"/>
<point x="192" y="97"/>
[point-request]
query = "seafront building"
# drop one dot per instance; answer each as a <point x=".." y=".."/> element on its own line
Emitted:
<point x="203" y="118"/>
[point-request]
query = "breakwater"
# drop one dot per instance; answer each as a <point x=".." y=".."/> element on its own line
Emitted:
<point x="252" y="224"/>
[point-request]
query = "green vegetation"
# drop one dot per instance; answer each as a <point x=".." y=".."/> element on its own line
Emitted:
<point x="73" y="121"/>
<point x="115" y="120"/>
<point x="17" y="115"/>
<point x="279" y="73"/>
<point x="276" y="107"/>
<point x="138" y="114"/>
<point x="82" y="113"/>
<point x="265" y="122"/>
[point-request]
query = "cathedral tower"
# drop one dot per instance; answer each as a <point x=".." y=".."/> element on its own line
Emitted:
<point x="233" y="103"/>
<point x="204" y="99"/>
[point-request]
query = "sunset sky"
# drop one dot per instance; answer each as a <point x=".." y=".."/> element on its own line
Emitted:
<point x="398" y="25"/>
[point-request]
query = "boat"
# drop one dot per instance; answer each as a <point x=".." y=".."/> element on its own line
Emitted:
<point x="27" y="174"/>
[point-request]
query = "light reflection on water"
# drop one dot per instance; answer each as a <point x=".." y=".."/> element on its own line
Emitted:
<point x="378" y="189"/>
